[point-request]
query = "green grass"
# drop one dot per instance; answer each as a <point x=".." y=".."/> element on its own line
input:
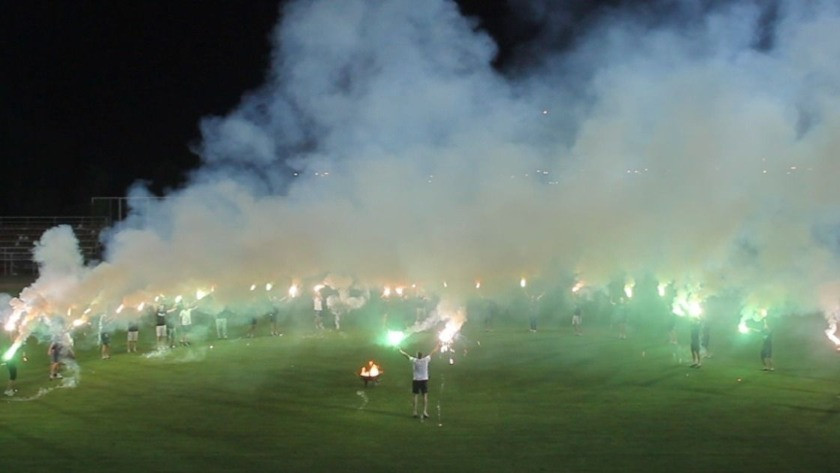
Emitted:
<point x="513" y="401"/>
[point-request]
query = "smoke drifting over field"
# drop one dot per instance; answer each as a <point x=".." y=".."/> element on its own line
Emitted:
<point x="698" y="148"/>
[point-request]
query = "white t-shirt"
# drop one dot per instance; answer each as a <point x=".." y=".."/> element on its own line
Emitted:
<point x="186" y="317"/>
<point x="317" y="304"/>
<point x="421" y="367"/>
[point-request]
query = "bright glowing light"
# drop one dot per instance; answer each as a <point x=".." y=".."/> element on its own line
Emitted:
<point x="293" y="290"/>
<point x="268" y="286"/>
<point x="523" y="282"/>
<point x="87" y="311"/>
<point x="448" y="333"/>
<point x="830" y="332"/>
<point x="200" y="294"/>
<point x="395" y="337"/>
<point x="120" y="308"/>
<point x="577" y="287"/>
<point x="12" y="350"/>
<point x="478" y="284"/>
<point x="140" y="306"/>
<point x="78" y="322"/>
<point x="687" y="304"/>
<point x="628" y="289"/>
<point x="318" y="287"/>
<point x="386" y="292"/>
<point x="399" y="291"/>
<point x="11" y="323"/>
<point x="695" y="309"/>
<point x="253" y="286"/>
<point x="661" y="289"/>
<point x="750" y="312"/>
<point x="445" y="285"/>
<point x="178" y="299"/>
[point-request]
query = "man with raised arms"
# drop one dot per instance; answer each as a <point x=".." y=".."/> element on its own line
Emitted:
<point x="420" y="378"/>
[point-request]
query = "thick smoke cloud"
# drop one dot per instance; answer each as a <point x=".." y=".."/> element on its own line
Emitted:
<point x="698" y="148"/>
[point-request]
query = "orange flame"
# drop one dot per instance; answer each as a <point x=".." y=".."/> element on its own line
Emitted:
<point x="371" y="370"/>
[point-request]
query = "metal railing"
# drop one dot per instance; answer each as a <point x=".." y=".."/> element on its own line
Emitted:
<point x="19" y="234"/>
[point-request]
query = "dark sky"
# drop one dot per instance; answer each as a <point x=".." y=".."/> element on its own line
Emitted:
<point x="95" y="95"/>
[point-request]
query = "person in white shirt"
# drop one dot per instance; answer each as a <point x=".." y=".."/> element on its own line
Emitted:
<point x="186" y="324"/>
<point x="420" y="378"/>
<point x="318" y="307"/>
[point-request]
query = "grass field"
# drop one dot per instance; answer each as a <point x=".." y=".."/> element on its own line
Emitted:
<point x="512" y="401"/>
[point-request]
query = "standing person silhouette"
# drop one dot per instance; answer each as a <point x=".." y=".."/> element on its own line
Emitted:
<point x="420" y="378"/>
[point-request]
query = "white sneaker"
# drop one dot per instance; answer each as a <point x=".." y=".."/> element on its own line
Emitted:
<point x="9" y="392"/>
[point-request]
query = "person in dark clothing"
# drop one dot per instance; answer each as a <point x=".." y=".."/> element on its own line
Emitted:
<point x="767" y="348"/>
<point x="695" y="344"/>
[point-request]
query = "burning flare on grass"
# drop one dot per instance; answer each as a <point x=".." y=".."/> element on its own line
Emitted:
<point x="371" y="370"/>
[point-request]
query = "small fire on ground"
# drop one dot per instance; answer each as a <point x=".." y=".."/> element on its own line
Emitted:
<point x="370" y="373"/>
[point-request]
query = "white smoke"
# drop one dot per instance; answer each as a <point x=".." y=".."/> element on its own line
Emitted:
<point x="386" y="147"/>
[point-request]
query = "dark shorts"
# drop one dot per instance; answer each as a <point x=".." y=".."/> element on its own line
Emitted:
<point x="695" y="346"/>
<point x="420" y="387"/>
<point x="105" y="338"/>
<point x="12" y="370"/>
<point x="55" y="355"/>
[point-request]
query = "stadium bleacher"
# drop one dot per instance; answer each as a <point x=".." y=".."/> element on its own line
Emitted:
<point x="19" y="234"/>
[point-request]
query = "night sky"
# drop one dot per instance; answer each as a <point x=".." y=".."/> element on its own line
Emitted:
<point x="96" y="95"/>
